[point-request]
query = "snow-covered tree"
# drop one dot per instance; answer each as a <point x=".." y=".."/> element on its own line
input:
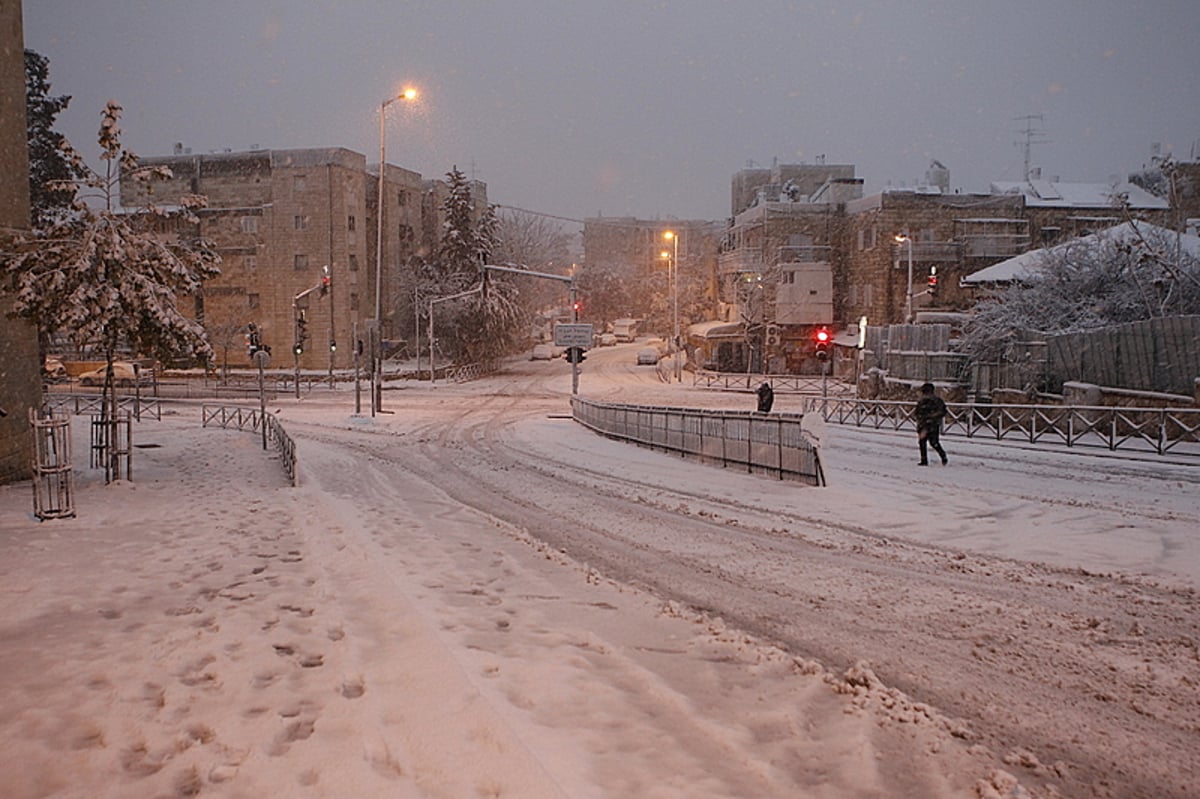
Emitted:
<point x="110" y="278"/>
<point x="482" y="325"/>
<point x="49" y="161"/>
<point x="1097" y="282"/>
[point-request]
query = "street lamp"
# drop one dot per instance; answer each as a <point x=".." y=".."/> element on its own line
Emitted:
<point x="905" y="238"/>
<point x="673" y="237"/>
<point x="377" y="360"/>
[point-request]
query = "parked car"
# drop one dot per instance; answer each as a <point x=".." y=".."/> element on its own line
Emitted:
<point x="124" y="375"/>
<point x="53" y="370"/>
<point x="542" y="352"/>
<point x="648" y="356"/>
<point x="607" y="340"/>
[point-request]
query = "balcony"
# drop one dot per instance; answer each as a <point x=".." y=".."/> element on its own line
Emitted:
<point x="927" y="252"/>
<point x="994" y="245"/>
<point x="753" y="259"/>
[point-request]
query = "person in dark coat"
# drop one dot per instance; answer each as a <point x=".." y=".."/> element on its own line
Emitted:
<point x="930" y="411"/>
<point x="766" y="398"/>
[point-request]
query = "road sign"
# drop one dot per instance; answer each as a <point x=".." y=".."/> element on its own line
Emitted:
<point x="573" y="334"/>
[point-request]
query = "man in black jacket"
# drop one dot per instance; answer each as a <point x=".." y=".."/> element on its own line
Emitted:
<point x="929" y="413"/>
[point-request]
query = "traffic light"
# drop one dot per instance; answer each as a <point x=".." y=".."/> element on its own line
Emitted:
<point x="823" y="342"/>
<point x="301" y="332"/>
<point x="575" y="355"/>
<point x="253" y="339"/>
<point x="576" y="307"/>
<point x="933" y="282"/>
<point x="326" y="280"/>
<point x="332" y="345"/>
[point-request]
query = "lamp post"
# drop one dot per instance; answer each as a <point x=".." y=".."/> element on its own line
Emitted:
<point x="905" y="238"/>
<point x="673" y="273"/>
<point x="377" y="359"/>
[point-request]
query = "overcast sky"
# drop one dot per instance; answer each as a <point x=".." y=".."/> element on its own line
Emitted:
<point x="640" y="108"/>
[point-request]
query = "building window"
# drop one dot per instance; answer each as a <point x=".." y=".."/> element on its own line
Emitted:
<point x="353" y="262"/>
<point x="869" y="238"/>
<point x="350" y="222"/>
<point x="252" y="300"/>
<point x="353" y="301"/>
<point x="300" y="262"/>
<point x="298" y="183"/>
<point x="300" y="222"/>
<point x="249" y="224"/>
<point x="401" y="198"/>
<point x="250" y="262"/>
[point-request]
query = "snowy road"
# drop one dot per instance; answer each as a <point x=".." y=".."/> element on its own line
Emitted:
<point x="1000" y="592"/>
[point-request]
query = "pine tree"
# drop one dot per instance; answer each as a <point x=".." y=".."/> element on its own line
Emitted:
<point x="49" y="164"/>
<point x="107" y="278"/>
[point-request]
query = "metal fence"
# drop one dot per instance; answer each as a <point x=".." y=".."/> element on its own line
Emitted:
<point x="253" y="419"/>
<point x="77" y="404"/>
<point x="1158" y="430"/>
<point x="790" y="384"/>
<point x="761" y="443"/>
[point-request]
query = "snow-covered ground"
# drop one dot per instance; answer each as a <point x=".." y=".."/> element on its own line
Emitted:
<point x="473" y="596"/>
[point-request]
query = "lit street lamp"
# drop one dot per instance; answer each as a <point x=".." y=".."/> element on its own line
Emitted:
<point x="673" y="237"/>
<point x="904" y="238"/>
<point x="377" y="359"/>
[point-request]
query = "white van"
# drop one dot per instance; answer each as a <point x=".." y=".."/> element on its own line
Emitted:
<point x="626" y="330"/>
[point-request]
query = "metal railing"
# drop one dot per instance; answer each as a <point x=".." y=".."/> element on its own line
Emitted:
<point x="78" y="404"/>
<point x="1158" y="430"/>
<point x="795" y="384"/>
<point x="761" y="443"/>
<point x="253" y="419"/>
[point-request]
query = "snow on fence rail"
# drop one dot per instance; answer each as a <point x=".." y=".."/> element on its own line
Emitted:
<point x="762" y="443"/>
<point x="1160" y="430"/>
<point x="253" y="419"/>
<point x="79" y="404"/>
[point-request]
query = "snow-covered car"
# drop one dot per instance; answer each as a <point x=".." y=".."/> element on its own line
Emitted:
<point x="542" y="352"/>
<point x="53" y="370"/>
<point x="607" y="340"/>
<point x="125" y="374"/>
<point x="648" y="356"/>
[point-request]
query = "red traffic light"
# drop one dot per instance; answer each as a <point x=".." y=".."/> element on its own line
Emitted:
<point x="824" y="339"/>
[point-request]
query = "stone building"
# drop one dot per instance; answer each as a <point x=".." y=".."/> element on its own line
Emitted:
<point x="805" y="249"/>
<point x="279" y="219"/>
<point x="20" y="366"/>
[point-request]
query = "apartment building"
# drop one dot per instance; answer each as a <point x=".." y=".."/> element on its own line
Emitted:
<point x="805" y="249"/>
<point x="282" y="220"/>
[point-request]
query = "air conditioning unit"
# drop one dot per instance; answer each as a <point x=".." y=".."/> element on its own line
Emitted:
<point x="773" y="337"/>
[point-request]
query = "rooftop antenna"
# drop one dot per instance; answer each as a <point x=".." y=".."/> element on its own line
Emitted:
<point x="1032" y="136"/>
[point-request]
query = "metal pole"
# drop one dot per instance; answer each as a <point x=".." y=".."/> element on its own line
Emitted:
<point x="908" y="302"/>
<point x="262" y="401"/>
<point x="357" y="390"/>
<point x="432" y="370"/>
<point x="574" y="318"/>
<point x="675" y="269"/>
<point x="375" y="394"/>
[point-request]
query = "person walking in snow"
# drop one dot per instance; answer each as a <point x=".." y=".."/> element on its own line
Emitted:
<point x="766" y="398"/>
<point x="929" y="412"/>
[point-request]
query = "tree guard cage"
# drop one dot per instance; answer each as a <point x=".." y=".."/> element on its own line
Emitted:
<point x="112" y="446"/>
<point x="53" y="495"/>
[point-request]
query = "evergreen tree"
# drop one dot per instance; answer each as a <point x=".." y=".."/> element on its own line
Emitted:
<point x="482" y="325"/>
<point x="109" y="279"/>
<point x="49" y="163"/>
